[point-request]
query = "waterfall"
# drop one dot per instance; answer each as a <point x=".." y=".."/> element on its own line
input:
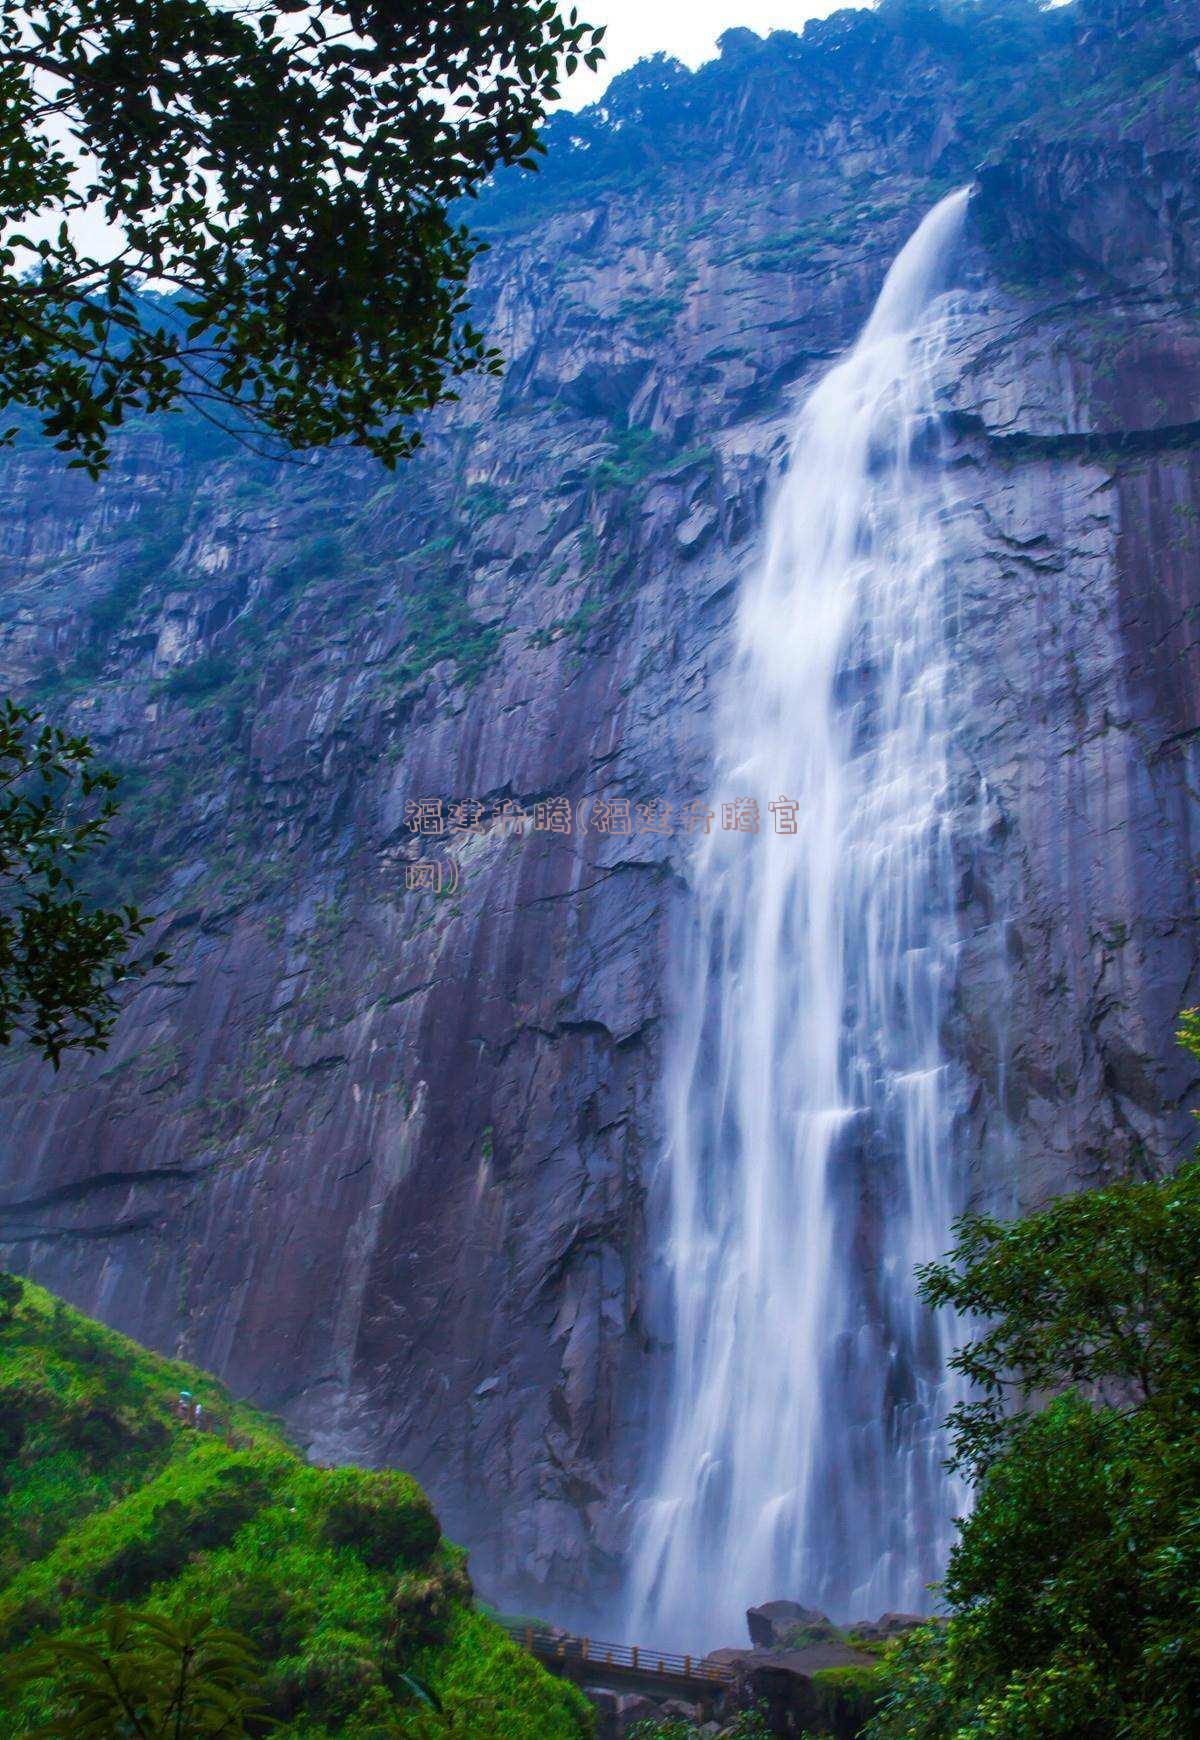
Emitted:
<point x="810" y="1108"/>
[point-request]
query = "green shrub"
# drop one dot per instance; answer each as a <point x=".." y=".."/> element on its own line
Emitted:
<point x="422" y="1608"/>
<point x="1072" y="1585"/>
<point x="12" y="1436"/>
<point x="330" y="1682"/>
<point x="483" y="501"/>
<point x="204" y="676"/>
<point x="745" y="1725"/>
<point x="633" y="455"/>
<point x="438" y="625"/>
<point x="277" y="1618"/>
<point x="101" y="1431"/>
<point x="486" y="1688"/>
<point x="320" y="557"/>
<point x="178" y="1528"/>
<point x="384" y="1517"/>
<point x="362" y="1616"/>
<point x="847" y="1697"/>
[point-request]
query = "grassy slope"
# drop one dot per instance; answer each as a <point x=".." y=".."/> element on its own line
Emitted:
<point x="338" y="1575"/>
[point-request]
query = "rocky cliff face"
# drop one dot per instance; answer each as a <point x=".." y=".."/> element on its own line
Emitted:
<point x="381" y="1157"/>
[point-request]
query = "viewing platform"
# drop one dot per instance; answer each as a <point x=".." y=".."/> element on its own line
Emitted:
<point x="624" y="1666"/>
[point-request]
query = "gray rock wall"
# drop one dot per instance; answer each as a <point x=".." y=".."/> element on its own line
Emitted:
<point x="381" y="1158"/>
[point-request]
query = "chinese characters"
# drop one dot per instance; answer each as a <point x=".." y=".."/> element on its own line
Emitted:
<point x="598" y="815"/>
<point x="435" y="818"/>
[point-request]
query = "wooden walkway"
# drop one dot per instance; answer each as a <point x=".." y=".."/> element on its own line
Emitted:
<point x="623" y="1664"/>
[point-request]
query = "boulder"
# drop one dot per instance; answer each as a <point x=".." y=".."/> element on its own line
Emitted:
<point x="810" y="1659"/>
<point x="607" y="1713"/>
<point x="787" y="1625"/>
<point x="827" y="1687"/>
<point x="618" y="1712"/>
<point x="887" y="1626"/>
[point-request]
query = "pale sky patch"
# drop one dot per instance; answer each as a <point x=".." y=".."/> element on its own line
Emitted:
<point x="687" y="29"/>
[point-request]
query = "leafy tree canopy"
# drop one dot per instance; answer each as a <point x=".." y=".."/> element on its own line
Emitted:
<point x="1099" y="1292"/>
<point x="1073" y="1586"/>
<point x="276" y="174"/>
<point x="61" y="959"/>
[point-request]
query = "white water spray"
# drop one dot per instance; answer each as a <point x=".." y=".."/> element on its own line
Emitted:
<point x="810" y="1106"/>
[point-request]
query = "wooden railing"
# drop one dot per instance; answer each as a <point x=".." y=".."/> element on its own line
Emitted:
<point x="628" y="1657"/>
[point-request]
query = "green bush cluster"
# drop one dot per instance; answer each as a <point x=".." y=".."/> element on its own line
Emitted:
<point x="439" y="625"/>
<point x="360" y="1613"/>
<point x="633" y="454"/>
<point x="387" y="1520"/>
<point x="744" y="1725"/>
<point x="847" y="1697"/>
<point x="199" y="679"/>
<point x="1073" y="1586"/>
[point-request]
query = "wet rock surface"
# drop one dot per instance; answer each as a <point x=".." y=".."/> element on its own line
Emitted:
<point x="883" y="1629"/>
<point x="809" y="1659"/>
<point x="781" y="1624"/>
<point x="382" y="1158"/>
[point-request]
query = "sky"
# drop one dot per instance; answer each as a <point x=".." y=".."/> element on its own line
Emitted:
<point x="687" y="29"/>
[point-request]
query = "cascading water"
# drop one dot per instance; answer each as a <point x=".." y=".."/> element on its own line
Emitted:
<point x="810" y="1106"/>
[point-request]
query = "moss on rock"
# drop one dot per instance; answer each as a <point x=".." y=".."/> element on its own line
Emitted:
<point x="362" y="1614"/>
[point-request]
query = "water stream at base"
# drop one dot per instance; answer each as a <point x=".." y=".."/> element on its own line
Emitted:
<point x="810" y="1162"/>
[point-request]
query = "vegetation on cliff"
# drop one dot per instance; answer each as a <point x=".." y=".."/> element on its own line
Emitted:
<point x="1073" y="1587"/>
<point x="277" y="642"/>
<point x="61" y="959"/>
<point x="286" y="178"/>
<point x="746" y="1725"/>
<point x="1000" y="65"/>
<point x="285" y="187"/>
<point x="360" y="1612"/>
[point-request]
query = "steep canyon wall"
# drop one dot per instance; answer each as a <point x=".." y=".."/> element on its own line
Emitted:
<point x="385" y="1159"/>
